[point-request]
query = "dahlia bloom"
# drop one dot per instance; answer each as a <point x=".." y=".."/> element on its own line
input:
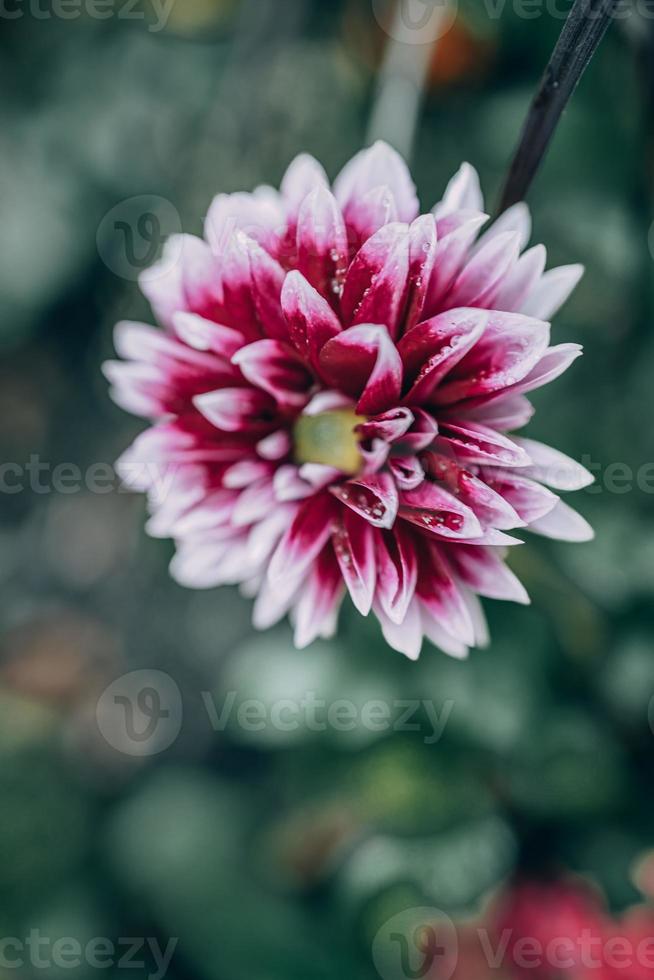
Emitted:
<point x="331" y="394"/>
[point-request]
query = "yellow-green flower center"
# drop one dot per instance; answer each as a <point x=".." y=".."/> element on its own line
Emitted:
<point x="329" y="438"/>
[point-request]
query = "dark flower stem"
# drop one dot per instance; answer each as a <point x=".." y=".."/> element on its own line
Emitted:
<point x="583" y="30"/>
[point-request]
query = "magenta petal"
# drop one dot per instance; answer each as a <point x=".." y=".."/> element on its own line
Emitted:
<point x="422" y="257"/>
<point x="554" y="362"/>
<point x="407" y="471"/>
<point x="303" y="541"/>
<point x="161" y="284"/>
<point x="363" y="362"/>
<point x="503" y="412"/>
<point x="441" y="596"/>
<point x="315" y="612"/>
<point x="515" y="219"/>
<point x="528" y="498"/>
<point x="436" y="510"/>
<point x="456" y="234"/>
<point x="375" y="209"/>
<point x="510" y="346"/>
<point x="484" y="571"/>
<point x="375" y="289"/>
<point x="389" y="426"/>
<point x="477" y="443"/>
<point x="423" y="431"/>
<point x="481" y="278"/>
<point x="397" y="572"/>
<point x="373" y="497"/>
<point x="354" y="545"/>
<point x="379" y="166"/>
<point x="274" y="367"/>
<point x="310" y="319"/>
<point x="322" y="244"/>
<point x="433" y="348"/>
<point x="236" y="409"/>
<point x="480" y="495"/>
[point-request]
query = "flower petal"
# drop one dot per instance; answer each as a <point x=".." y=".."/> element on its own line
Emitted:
<point x="378" y="166"/>
<point x="374" y="497"/>
<point x="564" y="524"/>
<point x="528" y="498"/>
<point x="434" y="509"/>
<point x="375" y="289"/>
<point x="484" y="571"/>
<point x="274" y="367"/>
<point x="521" y="279"/>
<point x="462" y="193"/>
<point x="441" y="597"/>
<point x="554" y="468"/>
<point x="397" y="572"/>
<point x="303" y="541"/>
<point x="433" y="348"/>
<point x="364" y="362"/>
<point x="510" y="346"/>
<point x="480" y="495"/>
<point x="405" y="637"/>
<point x="407" y="471"/>
<point x="481" y="278"/>
<point x="311" y="320"/>
<point x="456" y="233"/>
<point x="314" y="613"/>
<point x="375" y="209"/>
<point x="422" y="257"/>
<point x="552" y="291"/>
<point x="389" y="426"/>
<point x="260" y="215"/>
<point x="236" y="409"/>
<point x="477" y="443"/>
<point x="322" y="249"/>
<point x="354" y="546"/>
<point x="206" y="335"/>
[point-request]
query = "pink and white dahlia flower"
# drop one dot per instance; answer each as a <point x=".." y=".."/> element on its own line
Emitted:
<point x="332" y="392"/>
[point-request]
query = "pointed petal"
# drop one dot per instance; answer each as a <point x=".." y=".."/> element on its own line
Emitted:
<point x="354" y="546"/>
<point x="311" y="320"/>
<point x="510" y="346"/>
<point x="236" y="409"/>
<point x="363" y="362"/>
<point x="260" y="215"/>
<point x="554" y="362"/>
<point x="275" y="368"/>
<point x="374" y="497"/>
<point x="397" y="572"/>
<point x="554" y="288"/>
<point x="318" y="602"/>
<point x="389" y="426"/>
<point x="422" y="257"/>
<point x="206" y="335"/>
<point x="406" y="637"/>
<point x="504" y="412"/>
<point x="483" y="570"/>
<point x="365" y="217"/>
<point x="322" y="244"/>
<point x="433" y="348"/>
<point x="302" y="177"/>
<point x="554" y="468"/>
<point x="406" y="471"/>
<point x="275" y="446"/>
<point x="455" y="237"/>
<point x="521" y="279"/>
<point x="462" y="193"/>
<point x="434" y="509"/>
<point x="304" y="540"/>
<point x="528" y="498"/>
<point x="480" y="495"/>
<point x="564" y="524"/>
<point x="515" y="219"/>
<point x="378" y="166"/>
<point x="476" y="443"/>
<point x="375" y="289"/>
<point x="482" y="276"/>
<point x="441" y="596"/>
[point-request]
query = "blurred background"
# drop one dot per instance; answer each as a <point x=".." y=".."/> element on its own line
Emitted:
<point x="278" y="851"/>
